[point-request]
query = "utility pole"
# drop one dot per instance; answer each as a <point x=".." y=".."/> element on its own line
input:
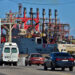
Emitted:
<point x="10" y="32"/>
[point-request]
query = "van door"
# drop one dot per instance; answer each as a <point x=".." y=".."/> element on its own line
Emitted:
<point x="6" y="54"/>
<point x="14" y="54"/>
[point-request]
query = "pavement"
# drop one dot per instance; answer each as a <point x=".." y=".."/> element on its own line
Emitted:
<point x="21" y="69"/>
<point x="32" y="70"/>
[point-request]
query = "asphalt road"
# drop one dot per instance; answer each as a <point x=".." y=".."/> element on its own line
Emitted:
<point x="32" y="70"/>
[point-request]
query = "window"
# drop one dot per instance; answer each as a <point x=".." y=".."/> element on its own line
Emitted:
<point x="7" y="50"/>
<point x="36" y="55"/>
<point x="62" y="55"/>
<point x="14" y="50"/>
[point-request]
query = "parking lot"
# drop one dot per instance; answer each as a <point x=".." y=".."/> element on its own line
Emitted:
<point x="32" y="70"/>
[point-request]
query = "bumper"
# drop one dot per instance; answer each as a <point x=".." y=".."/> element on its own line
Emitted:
<point x="64" y="64"/>
<point x="37" y="62"/>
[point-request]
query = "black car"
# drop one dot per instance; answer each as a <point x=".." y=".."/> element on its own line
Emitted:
<point x="59" y="60"/>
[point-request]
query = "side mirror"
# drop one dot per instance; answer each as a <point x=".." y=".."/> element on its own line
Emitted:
<point x="47" y="58"/>
<point x="26" y="57"/>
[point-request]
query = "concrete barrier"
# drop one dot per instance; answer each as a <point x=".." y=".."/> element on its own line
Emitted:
<point x="21" y="61"/>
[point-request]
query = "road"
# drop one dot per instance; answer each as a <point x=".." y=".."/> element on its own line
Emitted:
<point x="32" y="70"/>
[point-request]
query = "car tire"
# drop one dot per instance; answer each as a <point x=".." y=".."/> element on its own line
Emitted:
<point x="1" y="63"/>
<point x="52" y="69"/>
<point x="71" y="68"/>
<point x="63" y="68"/>
<point x="30" y="64"/>
<point x="9" y="64"/>
<point x="38" y="64"/>
<point x="45" y="67"/>
<point x="15" y="64"/>
<point x="26" y="64"/>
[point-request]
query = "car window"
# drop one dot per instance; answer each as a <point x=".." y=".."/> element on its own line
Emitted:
<point x="14" y="50"/>
<point x="7" y="50"/>
<point x="62" y="55"/>
<point x="36" y="55"/>
<point x="73" y="56"/>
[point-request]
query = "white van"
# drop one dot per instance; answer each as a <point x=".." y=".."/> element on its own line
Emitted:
<point x="9" y="54"/>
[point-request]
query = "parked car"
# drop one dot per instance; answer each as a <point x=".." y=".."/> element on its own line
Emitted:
<point x="34" y="58"/>
<point x="59" y="60"/>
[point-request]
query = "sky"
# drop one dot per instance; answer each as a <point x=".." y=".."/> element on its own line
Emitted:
<point x="66" y="9"/>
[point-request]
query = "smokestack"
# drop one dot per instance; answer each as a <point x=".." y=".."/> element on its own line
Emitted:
<point x="24" y="13"/>
<point x="20" y="8"/>
<point x="55" y="16"/>
<point x="50" y="16"/>
<point x="31" y="15"/>
<point x="37" y="12"/>
<point x="43" y="26"/>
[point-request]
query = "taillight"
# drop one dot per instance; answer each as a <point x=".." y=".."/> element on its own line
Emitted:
<point x="2" y="54"/>
<point x="71" y="59"/>
<point x="41" y="59"/>
<point x="58" y="59"/>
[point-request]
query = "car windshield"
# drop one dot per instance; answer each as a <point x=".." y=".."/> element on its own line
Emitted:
<point x="14" y="50"/>
<point x="36" y="55"/>
<point x="62" y="55"/>
<point x="7" y="50"/>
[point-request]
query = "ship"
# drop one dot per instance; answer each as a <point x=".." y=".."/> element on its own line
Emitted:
<point x="36" y="34"/>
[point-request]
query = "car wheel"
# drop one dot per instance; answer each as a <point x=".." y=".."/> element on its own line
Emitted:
<point x="38" y="64"/>
<point x="15" y="64"/>
<point x="29" y="64"/>
<point x="9" y="64"/>
<point x="63" y="68"/>
<point x="45" y="67"/>
<point x="1" y="63"/>
<point x="52" y="69"/>
<point x="71" y="68"/>
<point x="26" y="64"/>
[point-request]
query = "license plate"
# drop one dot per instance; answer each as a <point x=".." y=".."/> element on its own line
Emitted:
<point x="7" y="56"/>
<point x="37" y="59"/>
<point x="64" y="60"/>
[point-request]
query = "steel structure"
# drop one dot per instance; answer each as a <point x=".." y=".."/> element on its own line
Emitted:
<point x="26" y="19"/>
<point x="53" y="29"/>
